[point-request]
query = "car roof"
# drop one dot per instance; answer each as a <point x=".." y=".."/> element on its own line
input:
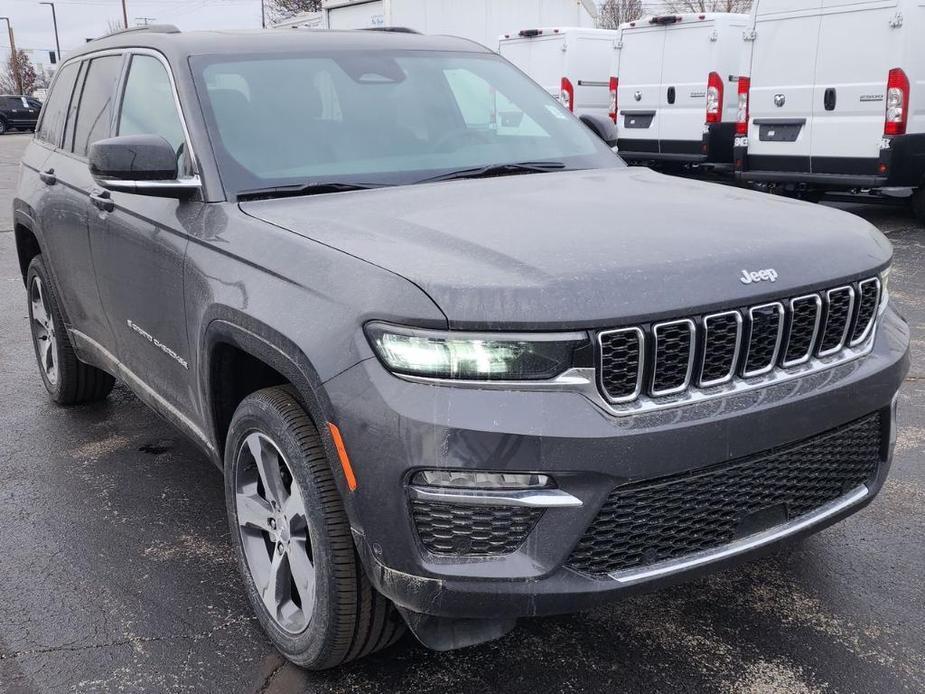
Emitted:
<point x="176" y="44"/>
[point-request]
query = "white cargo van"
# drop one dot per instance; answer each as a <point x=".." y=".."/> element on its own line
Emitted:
<point x="571" y="63"/>
<point x="835" y="96"/>
<point x="676" y="88"/>
<point x="480" y="20"/>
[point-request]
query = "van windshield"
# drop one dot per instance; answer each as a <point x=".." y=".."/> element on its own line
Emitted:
<point x="382" y="118"/>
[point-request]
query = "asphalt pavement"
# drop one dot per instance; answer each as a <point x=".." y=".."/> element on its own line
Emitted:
<point x="116" y="572"/>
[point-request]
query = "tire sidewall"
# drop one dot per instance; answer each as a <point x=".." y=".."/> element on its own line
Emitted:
<point x="37" y="269"/>
<point x="256" y="414"/>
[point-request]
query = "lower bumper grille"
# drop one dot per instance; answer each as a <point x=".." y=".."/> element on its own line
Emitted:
<point x="645" y="523"/>
<point x="472" y="530"/>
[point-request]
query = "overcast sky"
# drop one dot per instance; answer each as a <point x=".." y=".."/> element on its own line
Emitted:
<point x="82" y="19"/>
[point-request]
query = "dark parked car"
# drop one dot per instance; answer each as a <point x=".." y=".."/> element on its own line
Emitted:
<point x="456" y="371"/>
<point x="18" y="113"/>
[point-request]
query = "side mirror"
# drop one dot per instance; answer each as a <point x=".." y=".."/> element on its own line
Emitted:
<point x="604" y="128"/>
<point x="140" y="164"/>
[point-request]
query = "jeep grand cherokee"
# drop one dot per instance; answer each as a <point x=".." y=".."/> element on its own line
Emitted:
<point x="457" y="369"/>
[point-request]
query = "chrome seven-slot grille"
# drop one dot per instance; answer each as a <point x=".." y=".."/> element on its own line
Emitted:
<point x="674" y="356"/>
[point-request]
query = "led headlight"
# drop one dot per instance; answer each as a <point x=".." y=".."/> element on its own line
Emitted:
<point x="884" y="289"/>
<point x="475" y="356"/>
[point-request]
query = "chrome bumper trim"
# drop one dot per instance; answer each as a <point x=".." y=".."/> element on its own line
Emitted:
<point x="673" y="566"/>
<point x="538" y="498"/>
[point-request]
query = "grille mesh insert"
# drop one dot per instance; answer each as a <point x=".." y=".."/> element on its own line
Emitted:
<point x="837" y="316"/>
<point x="666" y="518"/>
<point x="804" y="314"/>
<point x="672" y="356"/>
<point x="869" y="297"/>
<point x="719" y="346"/>
<point x="620" y="363"/>
<point x="763" y="338"/>
<point x="467" y="530"/>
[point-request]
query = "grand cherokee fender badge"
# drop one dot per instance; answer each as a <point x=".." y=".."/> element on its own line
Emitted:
<point x="769" y="275"/>
<point x="157" y="343"/>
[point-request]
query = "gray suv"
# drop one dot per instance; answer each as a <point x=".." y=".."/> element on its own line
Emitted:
<point x="456" y="369"/>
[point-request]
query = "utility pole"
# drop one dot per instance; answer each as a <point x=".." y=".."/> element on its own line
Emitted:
<point x="14" y="57"/>
<point x="54" y="20"/>
<point x="263" y="14"/>
<point x="124" y="15"/>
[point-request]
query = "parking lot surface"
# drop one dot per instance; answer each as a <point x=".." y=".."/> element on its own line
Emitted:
<point x="116" y="572"/>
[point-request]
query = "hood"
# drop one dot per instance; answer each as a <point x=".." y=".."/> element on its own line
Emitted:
<point x="586" y="248"/>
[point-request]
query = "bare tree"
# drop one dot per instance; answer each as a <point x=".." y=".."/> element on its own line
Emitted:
<point x="21" y="65"/>
<point x="708" y="5"/>
<point x="278" y="10"/>
<point x="613" y="13"/>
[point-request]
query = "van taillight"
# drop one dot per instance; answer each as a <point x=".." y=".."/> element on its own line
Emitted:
<point x="567" y="94"/>
<point x="745" y="84"/>
<point x="897" y="103"/>
<point x="714" y="98"/>
<point x="614" y="85"/>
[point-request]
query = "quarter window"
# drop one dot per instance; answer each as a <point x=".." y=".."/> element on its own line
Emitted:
<point x="148" y="106"/>
<point x="54" y="113"/>
<point x="95" y="109"/>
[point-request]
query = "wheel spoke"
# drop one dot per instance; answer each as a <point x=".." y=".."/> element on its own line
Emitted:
<point x="274" y="588"/>
<point x="294" y="507"/>
<point x="303" y="573"/>
<point x="267" y="460"/>
<point x="253" y="511"/>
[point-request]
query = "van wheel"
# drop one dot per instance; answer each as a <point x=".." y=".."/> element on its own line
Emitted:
<point x="68" y="380"/>
<point x="292" y="538"/>
<point x="918" y="204"/>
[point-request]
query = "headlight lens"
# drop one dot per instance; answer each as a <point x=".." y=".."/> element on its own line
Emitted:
<point x="474" y="356"/>
<point x="884" y="289"/>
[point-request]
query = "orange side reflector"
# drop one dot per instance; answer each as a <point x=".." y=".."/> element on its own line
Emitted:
<point x="342" y="454"/>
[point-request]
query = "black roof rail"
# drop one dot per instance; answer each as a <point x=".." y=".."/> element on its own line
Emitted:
<point x="148" y="28"/>
<point x="396" y="30"/>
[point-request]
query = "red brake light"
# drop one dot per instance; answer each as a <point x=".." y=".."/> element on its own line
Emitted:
<point x="714" y="98"/>
<point x="745" y="84"/>
<point x="567" y="94"/>
<point x="897" y="103"/>
<point x="614" y="85"/>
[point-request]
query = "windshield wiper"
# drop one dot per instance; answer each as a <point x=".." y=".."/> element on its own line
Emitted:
<point x="303" y="189"/>
<point x="526" y="167"/>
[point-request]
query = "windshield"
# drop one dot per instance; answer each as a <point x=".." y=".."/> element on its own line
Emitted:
<point x="382" y="118"/>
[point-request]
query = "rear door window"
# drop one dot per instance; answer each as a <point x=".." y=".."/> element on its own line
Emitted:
<point x="148" y="105"/>
<point x="94" y="112"/>
<point x="54" y="114"/>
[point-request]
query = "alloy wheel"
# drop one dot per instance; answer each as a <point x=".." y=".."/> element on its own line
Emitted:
<point x="43" y="331"/>
<point x="273" y="526"/>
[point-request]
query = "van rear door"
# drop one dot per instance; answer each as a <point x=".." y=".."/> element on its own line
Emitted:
<point x="858" y="45"/>
<point x="538" y="55"/>
<point x="782" y="76"/>
<point x="639" y="93"/>
<point x="689" y="58"/>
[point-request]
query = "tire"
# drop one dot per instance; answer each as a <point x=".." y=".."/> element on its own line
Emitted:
<point x="918" y="204"/>
<point x="68" y="380"/>
<point x="289" y="499"/>
<point x="4" y="128"/>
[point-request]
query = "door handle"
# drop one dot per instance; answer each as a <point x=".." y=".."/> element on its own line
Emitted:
<point x="102" y="200"/>
<point x="671" y="95"/>
<point x="48" y="177"/>
<point x="829" y="99"/>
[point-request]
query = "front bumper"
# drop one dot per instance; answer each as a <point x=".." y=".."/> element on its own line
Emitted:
<point x="392" y="428"/>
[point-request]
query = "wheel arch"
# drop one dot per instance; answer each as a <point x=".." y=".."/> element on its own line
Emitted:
<point x="27" y="241"/>
<point x="233" y="341"/>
